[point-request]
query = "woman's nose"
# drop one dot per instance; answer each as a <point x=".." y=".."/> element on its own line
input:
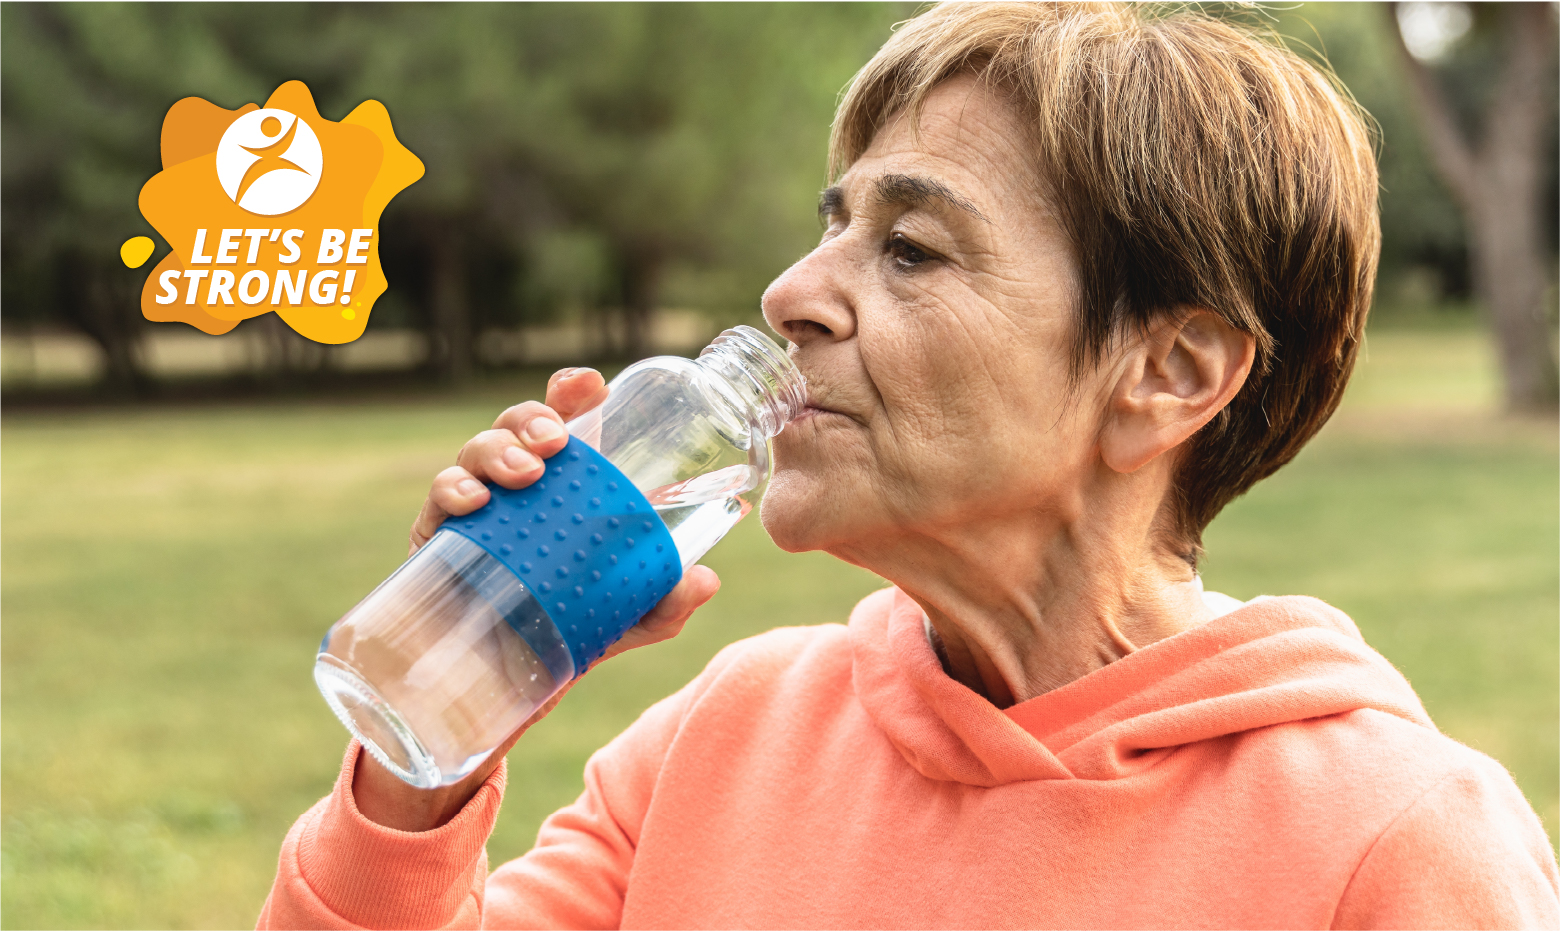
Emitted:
<point x="812" y="299"/>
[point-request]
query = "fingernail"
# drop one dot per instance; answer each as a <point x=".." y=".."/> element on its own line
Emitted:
<point x="469" y="487"/>
<point x="543" y="429"/>
<point x="577" y="372"/>
<point x="519" y="460"/>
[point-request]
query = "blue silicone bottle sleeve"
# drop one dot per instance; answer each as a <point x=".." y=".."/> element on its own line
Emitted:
<point x="585" y="542"/>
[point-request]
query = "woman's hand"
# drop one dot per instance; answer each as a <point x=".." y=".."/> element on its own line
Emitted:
<point x="510" y="455"/>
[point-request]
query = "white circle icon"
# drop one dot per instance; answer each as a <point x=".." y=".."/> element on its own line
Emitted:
<point x="269" y="161"/>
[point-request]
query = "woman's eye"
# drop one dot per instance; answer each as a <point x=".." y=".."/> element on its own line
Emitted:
<point x="906" y="253"/>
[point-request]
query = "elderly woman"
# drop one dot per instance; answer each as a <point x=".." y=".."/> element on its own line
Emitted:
<point x="1085" y="277"/>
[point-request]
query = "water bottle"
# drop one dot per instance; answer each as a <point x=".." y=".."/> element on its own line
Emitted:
<point x="504" y="606"/>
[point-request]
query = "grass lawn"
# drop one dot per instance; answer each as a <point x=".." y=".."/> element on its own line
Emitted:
<point x="167" y="575"/>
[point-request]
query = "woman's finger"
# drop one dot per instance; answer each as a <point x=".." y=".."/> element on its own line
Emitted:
<point x="511" y="453"/>
<point x="535" y="426"/>
<point x="500" y="456"/>
<point x="572" y="392"/>
<point x="455" y="492"/>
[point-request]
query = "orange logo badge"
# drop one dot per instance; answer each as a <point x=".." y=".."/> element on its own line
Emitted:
<point x="271" y="209"/>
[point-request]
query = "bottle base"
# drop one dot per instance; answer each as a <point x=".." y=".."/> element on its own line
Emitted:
<point x="375" y="723"/>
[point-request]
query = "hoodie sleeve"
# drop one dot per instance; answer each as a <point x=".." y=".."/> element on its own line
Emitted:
<point x="577" y="874"/>
<point x="1469" y="853"/>
<point x="340" y="870"/>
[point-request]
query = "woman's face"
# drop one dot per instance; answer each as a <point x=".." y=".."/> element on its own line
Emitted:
<point x="933" y="324"/>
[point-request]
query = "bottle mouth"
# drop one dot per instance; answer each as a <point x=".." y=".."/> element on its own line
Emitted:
<point x="771" y="371"/>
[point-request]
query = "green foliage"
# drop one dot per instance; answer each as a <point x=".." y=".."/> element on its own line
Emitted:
<point x="1420" y="225"/>
<point x="675" y="150"/>
<point x="685" y="141"/>
<point x="1423" y="233"/>
<point x="167" y="575"/>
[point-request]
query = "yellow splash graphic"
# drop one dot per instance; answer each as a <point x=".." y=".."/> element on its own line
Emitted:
<point x="136" y="250"/>
<point x="271" y="209"/>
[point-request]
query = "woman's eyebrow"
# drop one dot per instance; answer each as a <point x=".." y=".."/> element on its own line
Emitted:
<point x="905" y="191"/>
<point x="830" y="202"/>
<point x="910" y="192"/>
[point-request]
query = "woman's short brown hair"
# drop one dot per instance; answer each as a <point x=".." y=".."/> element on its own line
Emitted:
<point x="1195" y="165"/>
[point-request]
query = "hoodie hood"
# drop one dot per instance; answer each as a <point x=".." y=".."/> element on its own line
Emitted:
<point x="1274" y="661"/>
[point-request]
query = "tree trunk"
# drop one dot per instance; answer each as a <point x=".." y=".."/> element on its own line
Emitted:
<point x="1498" y="185"/>
<point x="641" y="270"/>
<point x="452" y="344"/>
<point x="102" y="307"/>
<point x="287" y="353"/>
<point x="1508" y="273"/>
<point x="600" y="332"/>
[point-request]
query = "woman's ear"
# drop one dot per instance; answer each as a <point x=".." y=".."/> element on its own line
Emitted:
<point x="1182" y="372"/>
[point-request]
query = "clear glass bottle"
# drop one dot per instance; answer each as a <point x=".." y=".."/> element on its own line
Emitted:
<point x="441" y="662"/>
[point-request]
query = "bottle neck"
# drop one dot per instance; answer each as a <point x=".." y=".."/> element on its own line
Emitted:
<point x="759" y="372"/>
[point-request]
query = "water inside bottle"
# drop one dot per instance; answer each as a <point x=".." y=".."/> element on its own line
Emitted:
<point x="721" y="483"/>
<point x="700" y="510"/>
<point x="697" y="527"/>
<point x="430" y="671"/>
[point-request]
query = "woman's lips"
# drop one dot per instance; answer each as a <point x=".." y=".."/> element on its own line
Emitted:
<point x="811" y="411"/>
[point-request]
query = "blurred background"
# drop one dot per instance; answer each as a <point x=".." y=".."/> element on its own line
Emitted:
<point x="184" y="515"/>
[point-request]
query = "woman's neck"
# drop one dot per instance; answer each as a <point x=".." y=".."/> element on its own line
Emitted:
<point x="1021" y="605"/>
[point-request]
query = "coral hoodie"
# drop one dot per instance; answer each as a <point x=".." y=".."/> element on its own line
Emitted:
<point x="1267" y="769"/>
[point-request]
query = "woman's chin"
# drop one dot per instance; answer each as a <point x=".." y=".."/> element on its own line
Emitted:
<point x="796" y="513"/>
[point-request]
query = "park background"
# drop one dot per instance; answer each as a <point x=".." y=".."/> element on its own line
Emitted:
<point x="181" y="516"/>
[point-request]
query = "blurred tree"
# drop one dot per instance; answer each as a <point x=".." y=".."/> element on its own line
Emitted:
<point x="1489" y="140"/>
<point x="1422" y="234"/>
<point x="82" y="93"/>
<point x="686" y="135"/>
<point x="586" y="161"/>
<point x="678" y="141"/>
